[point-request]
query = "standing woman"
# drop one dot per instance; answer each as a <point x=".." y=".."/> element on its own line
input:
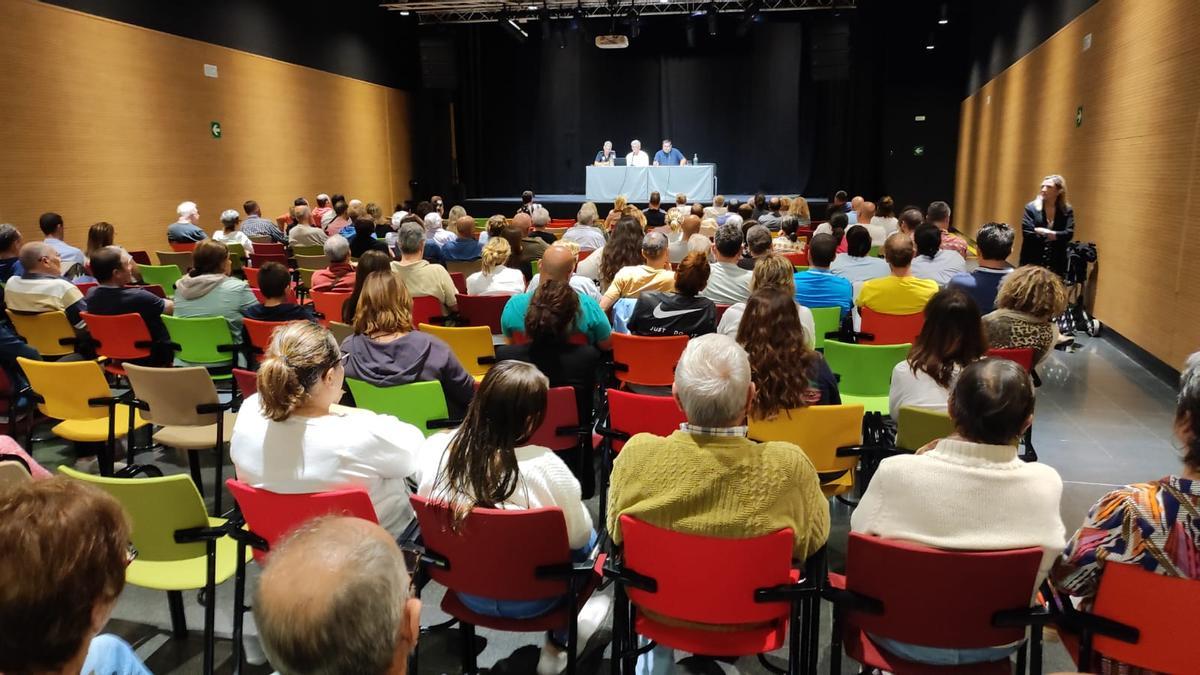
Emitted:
<point x="1048" y="226"/>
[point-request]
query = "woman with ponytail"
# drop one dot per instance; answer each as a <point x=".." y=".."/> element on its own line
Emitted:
<point x="290" y="437"/>
<point x="488" y="463"/>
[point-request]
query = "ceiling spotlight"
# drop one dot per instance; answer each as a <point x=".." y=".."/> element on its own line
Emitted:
<point x="712" y="12"/>
<point x="405" y="12"/>
<point x="513" y="28"/>
<point x="929" y="45"/>
<point x="945" y="18"/>
<point x="750" y="16"/>
<point x="635" y="22"/>
<point x="532" y="8"/>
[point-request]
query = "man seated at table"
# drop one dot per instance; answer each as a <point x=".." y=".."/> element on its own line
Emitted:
<point x="636" y="156"/>
<point x="606" y="156"/>
<point x="669" y="156"/>
<point x="899" y="292"/>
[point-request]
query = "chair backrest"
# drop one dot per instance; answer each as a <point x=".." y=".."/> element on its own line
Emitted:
<point x="519" y="338"/>
<point x="465" y="268"/>
<point x="917" y="426"/>
<point x="637" y="413"/>
<point x="306" y="276"/>
<point x="472" y="345"/>
<point x="460" y="282"/>
<point x="182" y="260"/>
<point x="270" y="248"/>
<point x="140" y="257"/>
<point x="798" y="259"/>
<point x="417" y="403"/>
<point x="183" y="246"/>
<point x="340" y="330"/>
<point x="271" y="515"/>
<point x="119" y="336"/>
<point x="864" y="370"/>
<point x="936" y="612"/>
<point x="67" y="387"/>
<point x="173" y="394"/>
<point x="14" y="471"/>
<point x="425" y="309"/>
<point x="721" y="309"/>
<point x="258" y="333"/>
<point x="308" y="250"/>
<point x="648" y="361"/>
<point x="707" y="579"/>
<point x="890" y="329"/>
<point x="264" y="257"/>
<point x="251" y="275"/>
<point x="329" y="304"/>
<point x="85" y="286"/>
<point x="48" y="332"/>
<point x="162" y="275"/>
<point x="157" y="508"/>
<point x="1155" y="605"/>
<point x="1024" y="356"/>
<point x="495" y="553"/>
<point x="560" y="412"/>
<point x="202" y="339"/>
<point x="482" y="310"/>
<point x="312" y="262"/>
<point x="246" y="380"/>
<point x="819" y="430"/>
<point x="825" y="320"/>
<point x="289" y="295"/>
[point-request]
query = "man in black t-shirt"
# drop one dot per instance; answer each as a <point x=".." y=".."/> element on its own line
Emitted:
<point x="655" y="216"/>
<point x="113" y="269"/>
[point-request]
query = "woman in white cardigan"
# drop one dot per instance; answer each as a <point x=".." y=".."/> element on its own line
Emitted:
<point x="487" y="463"/>
<point x="970" y="492"/>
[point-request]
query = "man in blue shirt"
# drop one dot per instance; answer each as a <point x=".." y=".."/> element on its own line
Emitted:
<point x="995" y="242"/>
<point x="186" y="229"/>
<point x="51" y="225"/>
<point x="466" y="245"/>
<point x="818" y="287"/>
<point x="669" y="156"/>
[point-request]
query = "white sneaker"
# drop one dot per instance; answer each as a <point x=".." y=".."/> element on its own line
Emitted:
<point x="252" y="647"/>
<point x="593" y="615"/>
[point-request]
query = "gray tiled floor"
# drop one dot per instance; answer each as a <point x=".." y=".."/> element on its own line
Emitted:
<point x="1101" y="421"/>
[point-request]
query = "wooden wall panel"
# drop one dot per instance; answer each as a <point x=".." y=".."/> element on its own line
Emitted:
<point x="107" y="121"/>
<point x="1131" y="168"/>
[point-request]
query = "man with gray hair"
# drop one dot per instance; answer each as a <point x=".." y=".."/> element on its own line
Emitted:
<point x="186" y="229"/>
<point x="418" y="275"/>
<point x="654" y="275"/>
<point x="708" y="478"/>
<point x="338" y="276"/>
<point x="541" y="220"/>
<point x="728" y="284"/>
<point x="42" y="288"/>
<point x="335" y="599"/>
<point x="758" y="244"/>
<point x="304" y="233"/>
<point x="584" y="232"/>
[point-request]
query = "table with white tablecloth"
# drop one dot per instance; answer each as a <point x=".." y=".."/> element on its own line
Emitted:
<point x="605" y="183"/>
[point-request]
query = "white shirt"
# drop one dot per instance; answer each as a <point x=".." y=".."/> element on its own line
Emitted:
<point x="879" y="234"/>
<point x="859" y="270"/>
<point x="316" y="454"/>
<point x="733" y="318"/>
<point x="590" y="267"/>
<point x="543" y="480"/>
<point x="889" y="224"/>
<point x="915" y="389"/>
<point x="235" y="237"/>
<point x="444" y="236"/>
<point x="587" y="236"/>
<point x="502" y="281"/>
<point x="579" y="283"/>
<point x="727" y="284"/>
<point x="640" y="158"/>
<point x="941" y="267"/>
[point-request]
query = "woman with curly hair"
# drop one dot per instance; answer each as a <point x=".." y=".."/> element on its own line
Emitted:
<point x="786" y="372"/>
<point x="1028" y="301"/>
<point x="951" y="339"/>
<point x="624" y="249"/>
<point x="493" y="277"/>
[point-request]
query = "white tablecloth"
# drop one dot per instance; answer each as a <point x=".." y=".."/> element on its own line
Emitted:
<point x="604" y="183"/>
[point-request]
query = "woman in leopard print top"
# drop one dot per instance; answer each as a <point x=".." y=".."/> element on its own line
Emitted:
<point x="1028" y="301"/>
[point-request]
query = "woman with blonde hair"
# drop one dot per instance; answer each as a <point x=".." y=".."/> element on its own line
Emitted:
<point x="494" y="277"/>
<point x="1048" y="226"/>
<point x="494" y="228"/>
<point x="799" y="209"/>
<point x="771" y="271"/>
<point x="1029" y="299"/>
<point x="386" y="351"/>
<point x="291" y="437"/>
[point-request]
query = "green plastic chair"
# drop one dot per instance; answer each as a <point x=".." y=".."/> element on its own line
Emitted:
<point x="237" y="255"/>
<point x="421" y="404"/>
<point x="825" y="320"/>
<point x="481" y="223"/>
<point x="309" y="249"/>
<point x="876" y="252"/>
<point x="204" y="341"/>
<point x="801" y="268"/>
<point x="917" y="426"/>
<point x="536" y="265"/>
<point x="865" y="371"/>
<point x="161" y="510"/>
<point x="163" y="275"/>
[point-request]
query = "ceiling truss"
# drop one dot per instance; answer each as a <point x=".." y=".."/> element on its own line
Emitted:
<point x="485" y="11"/>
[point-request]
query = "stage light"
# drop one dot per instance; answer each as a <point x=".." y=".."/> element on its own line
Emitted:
<point x="689" y="31"/>
<point x="635" y="22"/>
<point x="532" y="8"/>
<point x="945" y="19"/>
<point x="930" y="44"/>
<point x="712" y="12"/>
<point x="405" y="12"/>
<point x="750" y="15"/>
<point x="513" y="28"/>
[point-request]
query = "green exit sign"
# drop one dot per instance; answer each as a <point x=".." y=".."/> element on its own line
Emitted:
<point x="215" y="128"/>
<point x="1079" y="117"/>
<point x="919" y="151"/>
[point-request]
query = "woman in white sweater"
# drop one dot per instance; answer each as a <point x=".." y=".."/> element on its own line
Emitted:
<point x="951" y="338"/>
<point x="970" y="492"/>
<point x="487" y="463"/>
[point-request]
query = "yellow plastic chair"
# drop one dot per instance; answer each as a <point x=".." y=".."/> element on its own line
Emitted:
<point x="472" y="345"/>
<point x="48" y="332"/>
<point x="14" y="472"/>
<point x="77" y="393"/>
<point x="915" y="427"/>
<point x="179" y="547"/>
<point x="831" y="436"/>
<point x="306" y="276"/>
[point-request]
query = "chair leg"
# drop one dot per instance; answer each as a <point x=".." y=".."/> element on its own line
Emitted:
<point x="1035" y="650"/>
<point x="1030" y="455"/>
<point x="194" y="466"/>
<point x="629" y="658"/>
<point x="835" y="643"/>
<point x="468" y="647"/>
<point x="178" y="620"/>
<point x="618" y="629"/>
<point x="239" y="608"/>
<point x="220" y="466"/>
<point x="1021" y="658"/>
<point x="798" y="639"/>
<point x="210" y="609"/>
<point x="572" y="630"/>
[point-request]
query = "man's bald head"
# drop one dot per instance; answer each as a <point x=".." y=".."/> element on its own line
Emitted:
<point x="335" y="599"/>
<point x="557" y="263"/>
<point x="690" y="226"/>
<point x="856" y="203"/>
<point x="867" y="212"/>
<point x="523" y="222"/>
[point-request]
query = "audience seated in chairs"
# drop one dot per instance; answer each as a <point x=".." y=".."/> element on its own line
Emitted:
<point x="584" y="232"/>
<point x="995" y="242"/>
<point x="340" y="220"/>
<point x="494" y="228"/>
<point x="787" y="372"/>
<point x="186" y="229"/>
<point x="531" y="247"/>
<point x="73" y="260"/>
<point x="899" y="292"/>
<point x="10" y="252"/>
<point x="818" y="286"/>
<point x="867" y="220"/>
<point x="372" y="261"/>
<point x="231" y="231"/>
<point x="418" y="275"/>
<point x="773" y="271"/>
<point x="694" y="480"/>
<point x="304" y="233"/>
<point x="338" y="275"/>
<point x="653" y="275"/>
<point x="289" y="437"/>
<point x="41" y="287"/>
<point x="435" y="234"/>
<point x="364" y="234"/>
<point x="486" y="463"/>
<point x="256" y="226"/>
<point x="1026" y="305"/>
<point x="208" y="290"/>
<point x="951" y="339"/>
<point x="582" y="285"/>
<point x="857" y="265"/>
<point x="969" y="492"/>
<point x="758" y="244"/>
<point x="910" y="219"/>
<point x="466" y="245"/>
<point x="788" y="240"/>
<point x="113" y="269"/>
<point x="345" y="610"/>
<point x="386" y="351"/>
<point x="728" y="283"/>
<point x="556" y="265"/>
<point x="62" y="568"/>
<point x="494" y="276"/>
<point x="932" y="261"/>
<point x="274" y="281"/>
<point x="682" y="312"/>
<point x="624" y="248"/>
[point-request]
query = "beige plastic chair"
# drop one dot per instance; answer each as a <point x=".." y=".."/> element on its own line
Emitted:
<point x="180" y="259"/>
<point x="311" y="262"/>
<point x="340" y="331"/>
<point x="183" y="401"/>
<point x="13" y="472"/>
<point x="467" y="267"/>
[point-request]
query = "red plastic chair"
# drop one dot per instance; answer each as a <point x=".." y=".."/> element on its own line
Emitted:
<point x="560" y="429"/>
<point x="426" y="309"/>
<point x="262" y="258"/>
<point x="1023" y="356"/>
<point x="154" y="289"/>
<point x="721" y="309"/>
<point x="259" y="333"/>
<point x="141" y="257"/>
<point x="519" y="338"/>
<point x="799" y="258"/>
<point x="889" y="329"/>
<point x="460" y="282"/>
<point x="329" y="305"/>
<point x="270" y="516"/>
<point x="507" y="555"/>
<point x="270" y="249"/>
<point x="877" y="595"/>
<point x="630" y="414"/>
<point x="119" y="337"/>
<point x="482" y="310"/>
<point x="182" y="247"/>
<point x="646" y="361"/>
<point x="251" y="275"/>
<point x="85" y="286"/>
<point x="247" y="381"/>
<point x="696" y="579"/>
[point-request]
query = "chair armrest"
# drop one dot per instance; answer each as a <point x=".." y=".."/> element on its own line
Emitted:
<point x="144" y="344"/>
<point x="193" y="535"/>
<point x="443" y="423"/>
<point x="784" y="592"/>
<point x="486" y="360"/>
<point x="134" y="469"/>
<point x="105" y="400"/>
<point x="616" y="570"/>
<point x="568" y="431"/>
<point x="849" y="600"/>
<point x="612" y="434"/>
<point x="230" y="347"/>
<point x="856" y="450"/>
<point x="620" y="367"/>
<point x="1037" y="380"/>
<point x="210" y="408"/>
<point x="248" y="538"/>
<point x="1027" y="616"/>
<point x="582" y="570"/>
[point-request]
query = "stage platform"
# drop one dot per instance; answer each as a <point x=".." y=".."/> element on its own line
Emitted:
<point x="566" y="206"/>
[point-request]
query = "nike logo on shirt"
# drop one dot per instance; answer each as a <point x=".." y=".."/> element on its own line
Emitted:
<point x="660" y="313"/>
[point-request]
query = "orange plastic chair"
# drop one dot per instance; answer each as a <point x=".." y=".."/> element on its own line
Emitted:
<point x="889" y="329"/>
<point x="261" y="259"/>
<point x="120" y="337"/>
<point x="258" y="295"/>
<point x="259" y="333"/>
<point x="426" y="309"/>
<point x="460" y="282"/>
<point x="799" y="258"/>
<point x="182" y="247"/>
<point x="482" y="310"/>
<point x="519" y="338"/>
<point x="270" y="249"/>
<point x="329" y="305"/>
<point x="247" y="381"/>
<point x="646" y="361"/>
<point x="251" y="275"/>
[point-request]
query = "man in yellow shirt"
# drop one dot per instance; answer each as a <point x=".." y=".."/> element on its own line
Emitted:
<point x="654" y="275"/>
<point x="899" y="292"/>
